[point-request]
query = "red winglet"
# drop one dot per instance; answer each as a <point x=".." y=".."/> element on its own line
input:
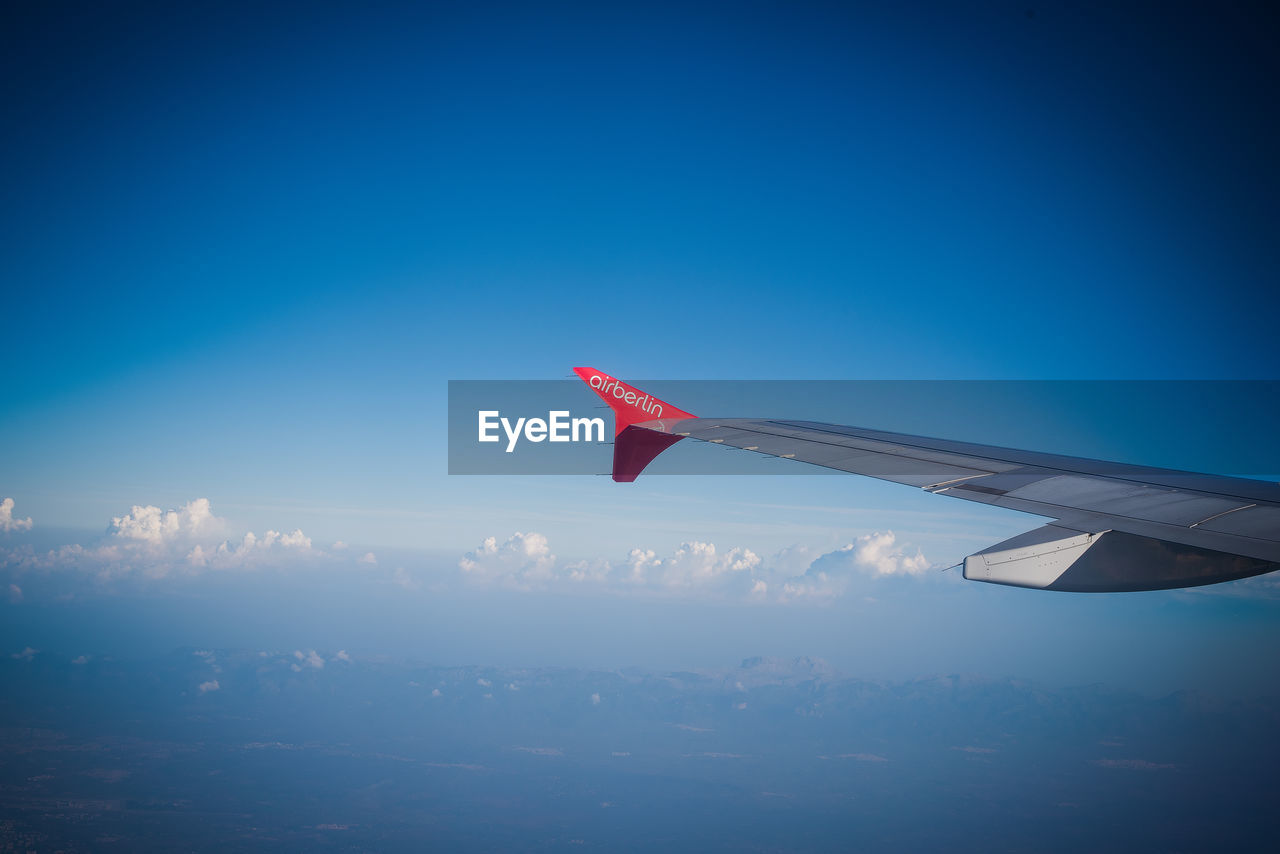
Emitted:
<point x="633" y="447"/>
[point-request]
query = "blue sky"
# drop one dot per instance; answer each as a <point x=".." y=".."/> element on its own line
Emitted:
<point x="245" y="251"/>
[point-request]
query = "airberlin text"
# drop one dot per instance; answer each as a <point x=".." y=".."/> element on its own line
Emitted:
<point x="610" y="387"/>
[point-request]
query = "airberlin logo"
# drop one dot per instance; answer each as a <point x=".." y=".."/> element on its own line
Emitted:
<point x="558" y="426"/>
<point x="612" y="388"/>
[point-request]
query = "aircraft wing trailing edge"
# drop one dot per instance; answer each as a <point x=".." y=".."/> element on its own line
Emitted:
<point x="1115" y="528"/>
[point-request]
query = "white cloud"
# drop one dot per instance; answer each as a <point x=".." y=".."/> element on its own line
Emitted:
<point x="369" y="558"/>
<point x="693" y="564"/>
<point x="310" y="658"/>
<point x="295" y="540"/>
<point x="877" y="555"/>
<point x="26" y="655"/>
<point x="153" y="525"/>
<point x="524" y="560"/>
<point x="211" y="685"/>
<point x="878" y="552"/>
<point x="342" y="656"/>
<point x="15" y="593"/>
<point x="595" y="699"/>
<point x="338" y="545"/>
<point x="80" y="659"/>
<point x="251" y="551"/>
<point x="7" y="522"/>
<point x="435" y="692"/>
<point x="483" y="683"/>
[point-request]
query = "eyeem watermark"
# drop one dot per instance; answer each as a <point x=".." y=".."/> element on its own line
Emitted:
<point x="558" y="426"/>
<point x="1092" y="419"/>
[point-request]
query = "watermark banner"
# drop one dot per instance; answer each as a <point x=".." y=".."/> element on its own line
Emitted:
<point x="545" y="427"/>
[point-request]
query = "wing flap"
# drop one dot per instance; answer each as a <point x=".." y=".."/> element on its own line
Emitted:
<point x="1058" y="558"/>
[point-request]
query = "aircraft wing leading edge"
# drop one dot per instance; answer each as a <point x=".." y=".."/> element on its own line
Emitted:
<point x="1115" y="528"/>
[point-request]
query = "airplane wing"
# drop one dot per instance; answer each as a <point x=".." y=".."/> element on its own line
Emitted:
<point x="1115" y="528"/>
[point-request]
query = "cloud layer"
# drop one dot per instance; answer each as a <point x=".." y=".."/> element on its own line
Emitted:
<point x="149" y="543"/>
<point x="153" y="542"/>
<point x="525" y="561"/>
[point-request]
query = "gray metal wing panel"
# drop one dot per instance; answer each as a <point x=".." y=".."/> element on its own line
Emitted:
<point x="1009" y="458"/>
<point x="875" y="458"/>
<point x="809" y="432"/>
<point x="1260" y="521"/>
<point x="1127" y="498"/>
